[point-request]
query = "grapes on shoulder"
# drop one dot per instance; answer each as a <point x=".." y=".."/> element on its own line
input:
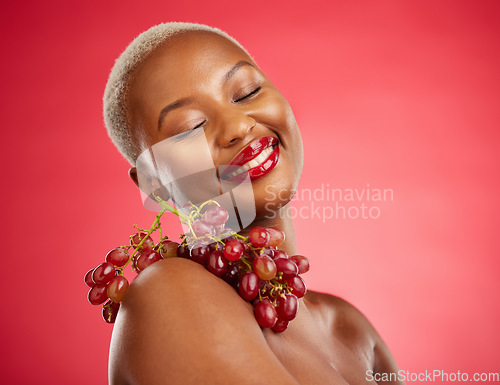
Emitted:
<point x="262" y="274"/>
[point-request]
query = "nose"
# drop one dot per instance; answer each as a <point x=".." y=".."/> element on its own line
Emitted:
<point x="233" y="126"/>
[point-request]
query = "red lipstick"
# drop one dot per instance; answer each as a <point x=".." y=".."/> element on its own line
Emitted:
<point x="258" y="158"/>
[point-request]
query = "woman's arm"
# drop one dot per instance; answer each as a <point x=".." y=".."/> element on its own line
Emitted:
<point x="179" y="324"/>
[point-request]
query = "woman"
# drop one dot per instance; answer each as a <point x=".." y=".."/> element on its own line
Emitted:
<point x="179" y="324"/>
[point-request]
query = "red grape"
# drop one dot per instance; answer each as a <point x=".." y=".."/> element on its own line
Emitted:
<point x="264" y="267"/>
<point x="118" y="257"/>
<point x="168" y="249"/>
<point x="182" y="251"/>
<point x="88" y="278"/>
<point x="276" y="236"/>
<point x="287" y="307"/>
<point x="110" y="311"/>
<point x="287" y="267"/>
<point x="97" y="294"/>
<point x="233" y="250"/>
<point x="249" y="286"/>
<point x="200" y="253"/>
<point x="216" y="246"/>
<point x="216" y="263"/>
<point x="280" y="326"/>
<point x="269" y="252"/>
<point x="202" y="229"/>
<point x="216" y="216"/>
<point x="265" y="313"/>
<point x="258" y="236"/>
<point x="301" y="262"/>
<point x="297" y="285"/>
<point x="117" y="288"/>
<point x="103" y="273"/>
<point x="231" y="275"/>
<point x="280" y="254"/>
<point x="137" y="238"/>
<point x="146" y="258"/>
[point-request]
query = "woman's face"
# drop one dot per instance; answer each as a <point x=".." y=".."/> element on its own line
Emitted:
<point x="202" y="80"/>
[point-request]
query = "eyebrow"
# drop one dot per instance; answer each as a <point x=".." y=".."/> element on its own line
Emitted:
<point x="185" y="101"/>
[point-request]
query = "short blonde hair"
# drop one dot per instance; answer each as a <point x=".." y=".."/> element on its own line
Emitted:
<point x="115" y="93"/>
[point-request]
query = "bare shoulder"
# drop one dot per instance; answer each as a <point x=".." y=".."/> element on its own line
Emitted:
<point x="343" y="319"/>
<point x="350" y="326"/>
<point x="181" y="323"/>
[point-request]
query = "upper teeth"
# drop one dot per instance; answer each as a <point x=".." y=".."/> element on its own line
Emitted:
<point x="257" y="161"/>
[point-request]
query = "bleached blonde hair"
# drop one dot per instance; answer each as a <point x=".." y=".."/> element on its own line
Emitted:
<point x="115" y="93"/>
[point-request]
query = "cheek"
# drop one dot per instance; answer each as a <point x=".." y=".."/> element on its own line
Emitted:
<point x="277" y="114"/>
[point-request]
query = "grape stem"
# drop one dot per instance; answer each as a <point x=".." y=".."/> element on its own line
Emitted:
<point x="156" y="225"/>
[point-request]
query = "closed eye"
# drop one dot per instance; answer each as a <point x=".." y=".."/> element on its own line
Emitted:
<point x="190" y="132"/>
<point x="248" y="95"/>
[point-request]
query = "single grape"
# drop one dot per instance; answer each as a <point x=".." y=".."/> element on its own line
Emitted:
<point x="200" y="253"/>
<point x="110" y="311"/>
<point x="216" y="216"/>
<point x="233" y="250"/>
<point x="264" y="267"/>
<point x="168" y="249"/>
<point x="249" y="286"/>
<point x="217" y="264"/>
<point x="301" y="262"/>
<point x="255" y="301"/>
<point x="231" y="275"/>
<point x="89" y="281"/>
<point x="103" y="273"/>
<point x="280" y="326"/>
<point x="258" y="236"/>
<point x="137" y="238"/>
<point x="269" y="252"/>
<point x="287" y="267"/>
<point x="97" y="294"/>
<point x="297" y="285"/>
<point x="265" y="313"/>
<point x="280" y="254"/>
<point x="202" y="229"/>
<point x="145" y="259"/>
<point x="287" y="307"/>
<point x="276" y="236"/>
<point x="118" y="257"/>
<point x="117" y="288"/>
<point x="216" y="246"/>
<point x="183" y="251"/>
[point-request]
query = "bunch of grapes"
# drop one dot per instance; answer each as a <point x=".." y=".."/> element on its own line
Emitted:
<point x="254" y="266"/>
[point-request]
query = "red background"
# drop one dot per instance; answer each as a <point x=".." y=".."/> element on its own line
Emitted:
<point x="399" y="95"/>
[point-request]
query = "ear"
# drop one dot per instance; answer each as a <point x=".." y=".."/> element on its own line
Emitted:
<point x="132" y="173"/>
<point x="153" y="183"/>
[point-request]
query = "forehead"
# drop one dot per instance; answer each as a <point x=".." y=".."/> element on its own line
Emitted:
<point x="183" y="63"/>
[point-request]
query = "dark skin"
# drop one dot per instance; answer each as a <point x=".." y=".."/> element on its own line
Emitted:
<point x="178" y="323"/>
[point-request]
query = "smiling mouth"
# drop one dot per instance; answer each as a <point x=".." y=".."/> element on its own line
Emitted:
<point x="256" y="160"/>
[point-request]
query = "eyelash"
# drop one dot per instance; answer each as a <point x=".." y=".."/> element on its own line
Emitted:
<point x="189" y="132"/>
<point x="248" y="95"/>
<point x="184" y="134"/>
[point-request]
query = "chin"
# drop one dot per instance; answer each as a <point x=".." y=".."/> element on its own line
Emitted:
<point x="273" y="192"/>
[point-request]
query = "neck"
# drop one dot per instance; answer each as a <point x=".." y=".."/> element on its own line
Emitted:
<point x="283" y="221"/>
